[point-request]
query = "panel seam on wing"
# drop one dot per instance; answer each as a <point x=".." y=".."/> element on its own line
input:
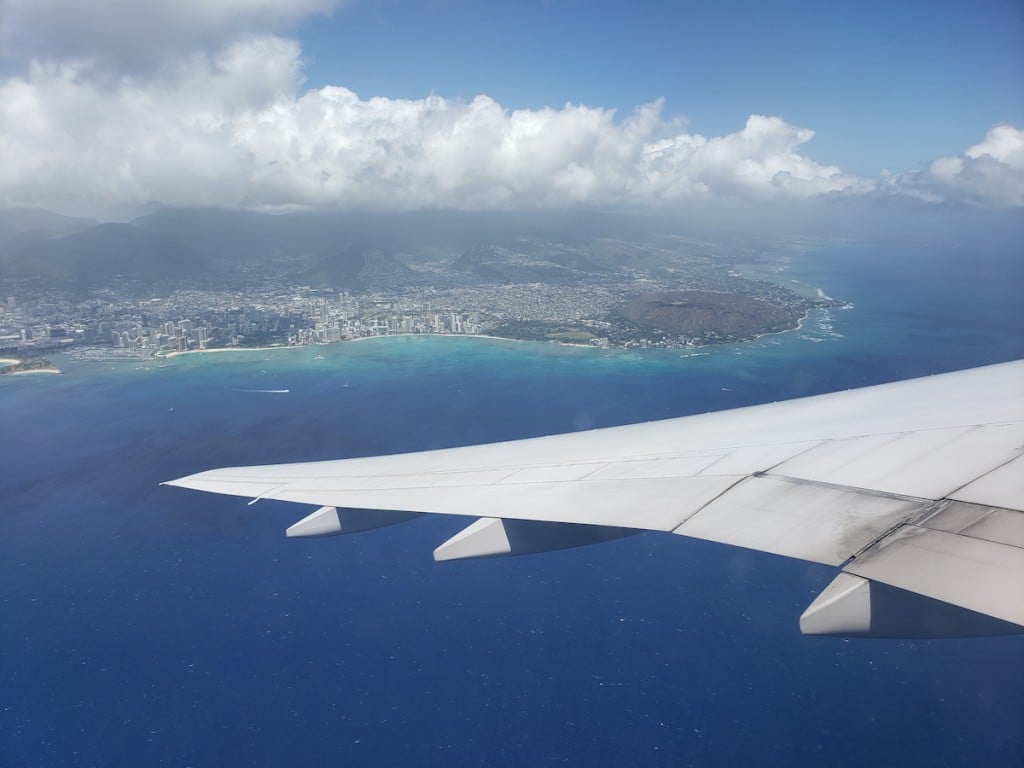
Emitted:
<point x="911" y="520"/>
<point x="1020" y="452"/>
<point x="846" y="488"/>
<point x="703" y="506"/>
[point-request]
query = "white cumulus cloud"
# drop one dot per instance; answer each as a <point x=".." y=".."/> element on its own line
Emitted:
<point x="990" y="173"/>
<point x="234" y="128"/>
<point x="760" y="161"/>
<point x="124" y="104"/>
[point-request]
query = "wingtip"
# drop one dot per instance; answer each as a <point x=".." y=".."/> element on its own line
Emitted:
<point x="179" y="482"/>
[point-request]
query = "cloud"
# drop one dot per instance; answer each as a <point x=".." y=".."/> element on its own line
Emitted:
<point x="761" y="161"/>
<point x="988" y="174"/>
<point x="124" y="105"/>
<point x="67" y="137"/>
<point x="233" y="128"/>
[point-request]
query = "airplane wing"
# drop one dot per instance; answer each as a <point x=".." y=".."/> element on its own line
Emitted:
<point x="914" y="489"/>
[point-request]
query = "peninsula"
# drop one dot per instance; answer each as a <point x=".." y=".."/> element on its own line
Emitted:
<point x="14" y="367"/>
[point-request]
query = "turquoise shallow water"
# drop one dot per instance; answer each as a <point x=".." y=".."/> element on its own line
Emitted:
<point x="153" y="626"/>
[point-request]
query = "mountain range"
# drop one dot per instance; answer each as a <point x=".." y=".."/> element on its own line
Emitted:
<point x="350" y="251"/>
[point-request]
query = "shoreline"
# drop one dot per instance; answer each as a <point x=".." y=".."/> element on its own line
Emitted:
<point x="799" y="326"/>
<point x="702" y="349"/>
<point x="473" y="336"/>
<point x="220" y="350"/>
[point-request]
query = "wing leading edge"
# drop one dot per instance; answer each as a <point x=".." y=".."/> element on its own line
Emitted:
<point x="915" y="489"/>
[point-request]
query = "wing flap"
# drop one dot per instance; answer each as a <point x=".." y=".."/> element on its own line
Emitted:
<point x="810" y="521"/>
<point x="1003" y="526"/>
<point x="979" y="575"/>
<point x="854" y="607"/>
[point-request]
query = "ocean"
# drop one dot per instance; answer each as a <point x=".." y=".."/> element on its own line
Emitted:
<point x="151" y="626"/>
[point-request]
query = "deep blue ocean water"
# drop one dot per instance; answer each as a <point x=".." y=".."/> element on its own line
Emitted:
<point x="146" y="626"/>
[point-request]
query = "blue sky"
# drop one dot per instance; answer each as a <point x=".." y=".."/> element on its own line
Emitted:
<point x="281" y="104"/>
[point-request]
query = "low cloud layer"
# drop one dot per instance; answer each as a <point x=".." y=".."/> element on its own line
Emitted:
<point x="227" y="123"/>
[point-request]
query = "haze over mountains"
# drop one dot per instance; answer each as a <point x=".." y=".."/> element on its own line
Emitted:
<point x="365" y="251"/>
<point x="355" y="252"/>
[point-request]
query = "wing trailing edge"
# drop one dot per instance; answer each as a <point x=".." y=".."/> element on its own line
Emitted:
<point x="852" y="606"/>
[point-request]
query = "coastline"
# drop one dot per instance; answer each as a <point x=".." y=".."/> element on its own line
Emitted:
<point x="799" y="326"/>
<point x="489" y="337"/>
<point x="218" y="350"/>
<point x="472" y="336"/>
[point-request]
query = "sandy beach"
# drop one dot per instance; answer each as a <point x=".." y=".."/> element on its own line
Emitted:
<point x="215" y="350"/>
<point x="34" y="370"/>
<point x="472" y="336"/>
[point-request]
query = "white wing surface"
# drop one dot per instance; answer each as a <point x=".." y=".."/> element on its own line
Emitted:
<point x="915" y="488"/>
